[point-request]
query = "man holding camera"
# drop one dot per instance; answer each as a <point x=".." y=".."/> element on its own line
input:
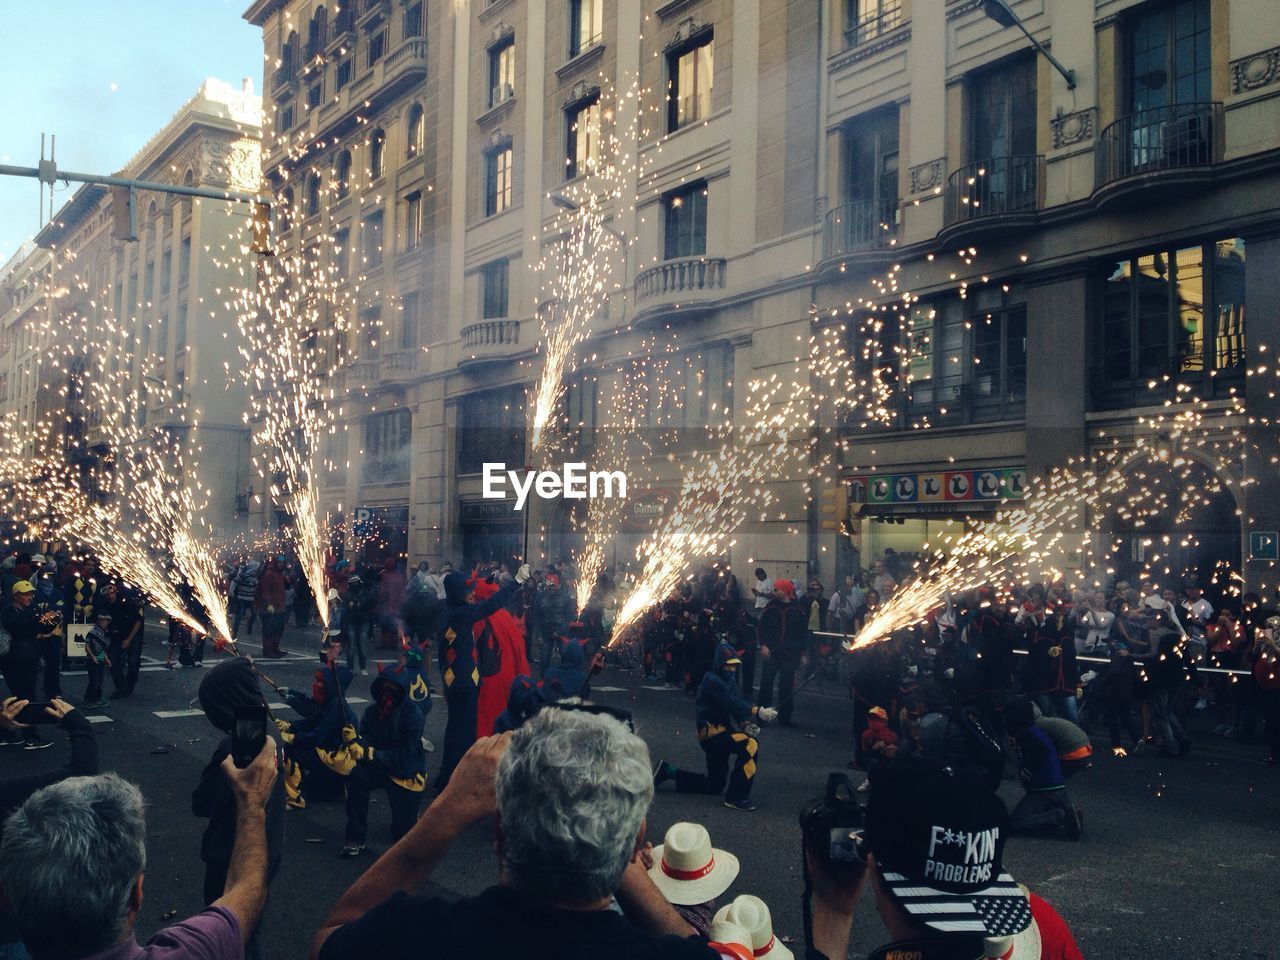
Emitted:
<point x="931" y="853"/>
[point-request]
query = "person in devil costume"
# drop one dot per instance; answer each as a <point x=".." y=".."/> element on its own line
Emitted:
<point x="721" y="713"/>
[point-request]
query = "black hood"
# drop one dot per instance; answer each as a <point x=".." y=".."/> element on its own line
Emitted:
<point x="230" y="684"/>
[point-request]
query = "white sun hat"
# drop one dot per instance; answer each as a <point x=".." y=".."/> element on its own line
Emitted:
<point x="752" y="915"/>
<point x="731" y="940"/>
<point x="687" y="869"/>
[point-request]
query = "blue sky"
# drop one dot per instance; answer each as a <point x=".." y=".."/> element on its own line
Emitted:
<point x="61" y="60"/>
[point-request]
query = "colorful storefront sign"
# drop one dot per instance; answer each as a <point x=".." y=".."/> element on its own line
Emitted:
<point x="950" y="486"/>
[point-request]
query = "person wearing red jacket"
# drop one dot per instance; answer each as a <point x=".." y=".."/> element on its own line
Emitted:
<point x="269" y="601"/>
<point x="500" y="646"/>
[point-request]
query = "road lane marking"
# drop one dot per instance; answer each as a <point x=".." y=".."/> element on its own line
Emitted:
<point x="173" y="714"/>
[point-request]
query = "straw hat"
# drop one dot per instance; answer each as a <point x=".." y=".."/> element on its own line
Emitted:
<point x="751" y="914"/>
<point x="731" y="940"/>
<point x="687" y="869"/>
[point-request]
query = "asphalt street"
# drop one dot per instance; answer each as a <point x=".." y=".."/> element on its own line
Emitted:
<point x="1180" y="857"/>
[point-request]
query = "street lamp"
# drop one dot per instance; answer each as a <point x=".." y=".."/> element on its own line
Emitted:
<point x="999" y="11"/>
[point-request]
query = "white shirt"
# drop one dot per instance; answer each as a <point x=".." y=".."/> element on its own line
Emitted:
<point x="1099" y="623"/>
<point x="764" y="587"/>
<point x="1201" y="610"/>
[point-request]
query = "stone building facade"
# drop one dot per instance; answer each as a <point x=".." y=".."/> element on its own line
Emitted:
<point x="800" y="164"/>
<point x="170" y="286"/>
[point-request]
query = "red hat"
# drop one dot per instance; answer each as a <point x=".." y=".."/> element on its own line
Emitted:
<point x="484" y="589"/>
<point x="786" y="586"/>
<point x="553" y="579"/>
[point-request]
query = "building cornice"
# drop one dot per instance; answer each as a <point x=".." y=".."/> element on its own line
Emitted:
<point x="259" y="11"/>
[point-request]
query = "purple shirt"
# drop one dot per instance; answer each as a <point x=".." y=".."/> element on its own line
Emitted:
<point x="213" y="934"/>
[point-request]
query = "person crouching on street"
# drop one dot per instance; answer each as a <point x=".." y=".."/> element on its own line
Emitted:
<point x="720" y="713"/>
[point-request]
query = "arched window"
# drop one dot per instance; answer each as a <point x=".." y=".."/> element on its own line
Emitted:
<point x="417" y="132"/>
<point x="342" y="176"/>
<point x="377" y="154"/>
<point x="151" y="211"/>
<point x="313" y="195"/>
<point x="316" y="33"/>
<point x="289" y="56"/>
<point x="188" y="180"/>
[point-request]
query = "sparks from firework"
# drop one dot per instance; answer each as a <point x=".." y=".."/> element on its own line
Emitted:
<point x="577" y="272"/>
<point x="724" y="487"/>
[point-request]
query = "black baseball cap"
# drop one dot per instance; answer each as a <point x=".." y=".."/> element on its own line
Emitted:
<point x="938" y="840"/>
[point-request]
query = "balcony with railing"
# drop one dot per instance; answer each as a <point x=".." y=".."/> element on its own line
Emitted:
<point x="488" y="341"/>
<point x="682" y="282"/>
<point x="871" y="22"/>
<point x="1164" y="148"/>
<point x="861" y="226"/>
<point x="398" y="366"/>
<point x="993" y="195"/>
<point x="362" y="374"/>
<point x="284" y="79"/>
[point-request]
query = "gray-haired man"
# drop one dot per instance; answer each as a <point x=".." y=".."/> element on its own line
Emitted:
<point x="571" y="789"/>
<point x="73" y="860"/>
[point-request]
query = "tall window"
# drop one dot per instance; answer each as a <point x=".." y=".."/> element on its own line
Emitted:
<point x="1170" y="317"/>
<point x="371" y="239"/>
<point x="377" y="154"/>
<point x="494" y="290"/>
<point x="686" y="221"/>
<point x="387" y="439"/>
<point x="413" y="221"/>
<point x="184" y="261"/>
<point x="413" y="20"/>
<point x="377" y="46"/>
<point x="1169" y="59"/>
<point x="342" y="76"/>
<point x="416" y="129"/>
<point x="316" y="33"/>
<point x="286" y="212"/>
<point x="689" y="72"/>
<point x="582" y="138"/>
<point x="498" y="178"/>
<point x="284" y="116"/>
<point x="409" y="321"/>
<point x="1004" y="111"/>
<point x="586" y="25"/>
<point x="502" y="71"/>
<point x="1003" y="138"/>
<point x="581" y="404"/>
<point x="342" y="176"/>
<point x="149" y="283"/>
<point x="313" y="195"/>
<point x="166" y="272"/>
<point x="867" y="19"/>
<point x="180" y="331"/>
<point x="370" y="332"/>
<point x="491" y="429"/>
<point x="871" y="156"/>
<point x="341" y="251"/>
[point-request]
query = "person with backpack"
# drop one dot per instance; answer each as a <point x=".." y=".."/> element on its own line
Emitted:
<point x="361" y="600"/>
<point x="421" y="607"/>
<point x="500" y="650"/>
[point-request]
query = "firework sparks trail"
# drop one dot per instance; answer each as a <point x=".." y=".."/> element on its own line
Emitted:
<point x="296" y="348"/>
<point x="40" y="483"/>
<point x="578" y="273"/>
<point x="722" y="489"/>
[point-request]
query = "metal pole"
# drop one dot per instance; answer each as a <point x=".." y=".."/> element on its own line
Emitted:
<point x="50" y="174"/>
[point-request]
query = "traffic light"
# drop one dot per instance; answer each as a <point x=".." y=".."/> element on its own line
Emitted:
<point x="835" y="507"/>
<point x="124" y="208"/>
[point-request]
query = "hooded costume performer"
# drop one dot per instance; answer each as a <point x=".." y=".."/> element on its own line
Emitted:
<point x="720" y="712"/>
<point x="523" y="701"/>
<point x="314" y="745"/>
<point x="459" y="669"/>
<point x="569" y="679"/>
<point x="503" y="634"/>
<point x="389" y="755"/>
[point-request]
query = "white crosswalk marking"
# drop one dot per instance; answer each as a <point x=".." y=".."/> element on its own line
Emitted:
<point x="99" y="719"/>
<point x="172" y="714"/>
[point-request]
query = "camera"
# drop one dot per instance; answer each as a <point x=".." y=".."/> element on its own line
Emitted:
<point x="833" y="824"/>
